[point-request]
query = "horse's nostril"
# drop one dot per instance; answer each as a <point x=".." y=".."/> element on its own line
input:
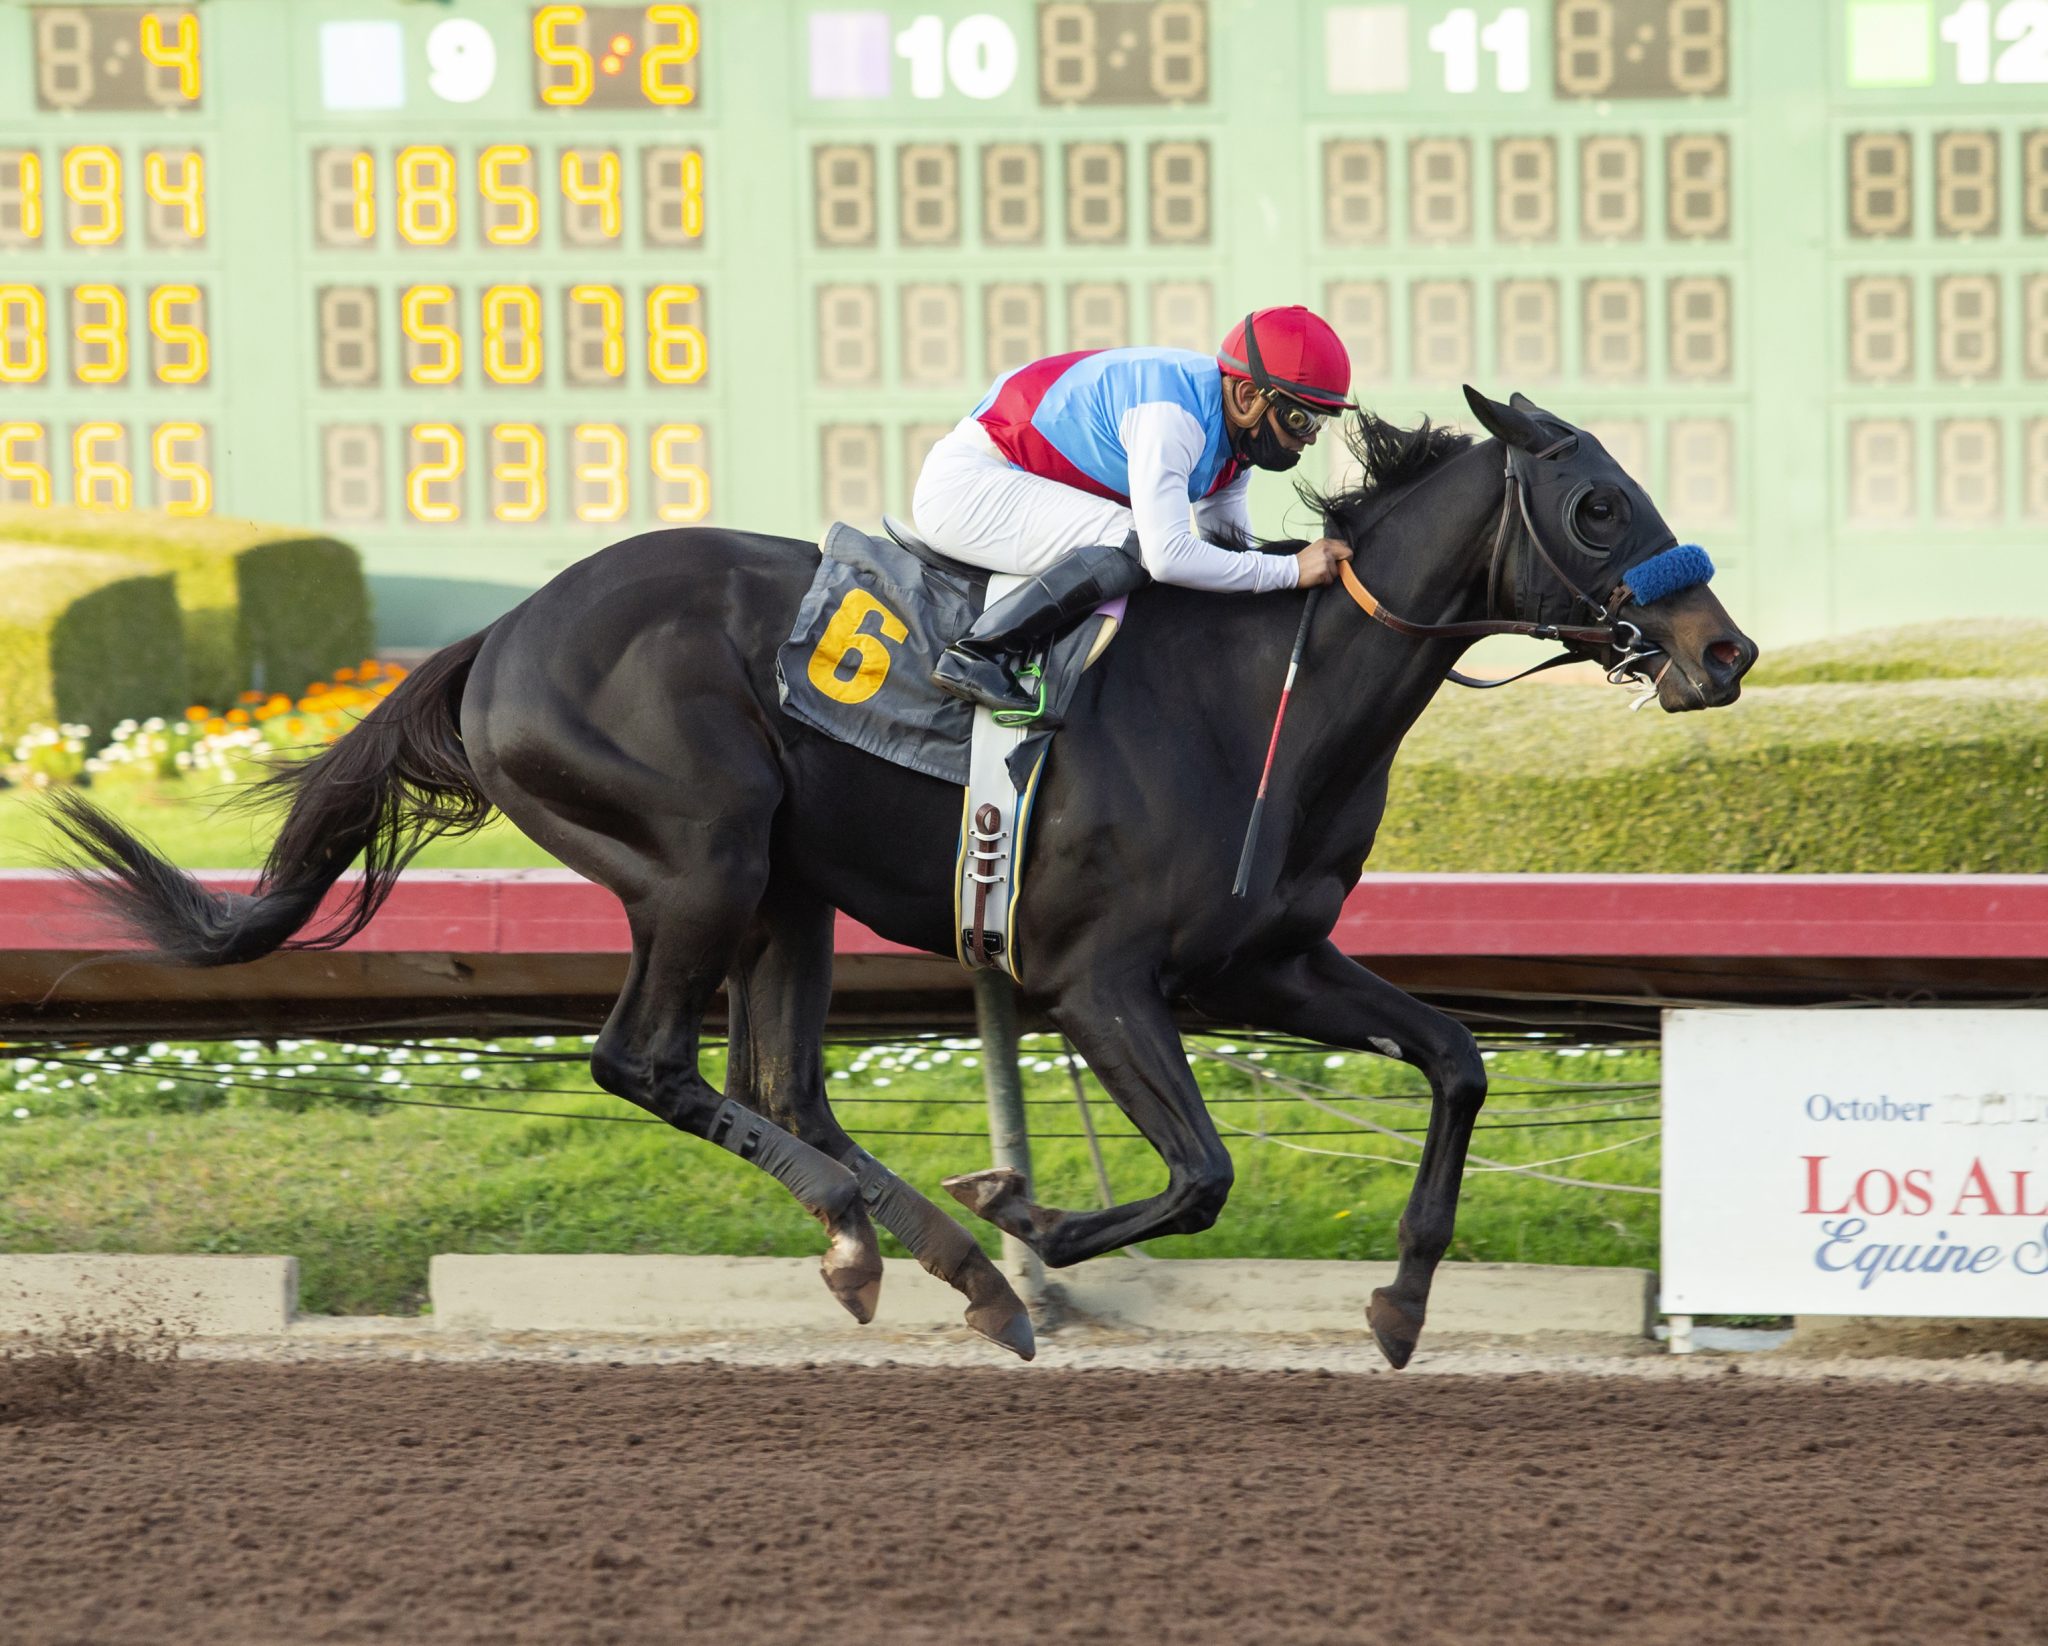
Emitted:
<point x="1726" y="653"/>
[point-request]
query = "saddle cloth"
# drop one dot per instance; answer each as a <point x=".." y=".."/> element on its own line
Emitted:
<point x="857" y="667"/>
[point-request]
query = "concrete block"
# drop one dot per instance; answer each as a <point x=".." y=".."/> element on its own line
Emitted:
<point x="1291" y="1297"/>
<point x="668" y="1294"/>
<point x="742" y="1294"/>
<point x="190" y="1296"/>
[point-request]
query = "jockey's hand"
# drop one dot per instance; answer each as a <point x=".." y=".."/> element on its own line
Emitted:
<point x="1318" y="562"/>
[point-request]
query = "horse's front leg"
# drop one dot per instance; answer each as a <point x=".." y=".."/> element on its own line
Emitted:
<point x="1324" y="995"/>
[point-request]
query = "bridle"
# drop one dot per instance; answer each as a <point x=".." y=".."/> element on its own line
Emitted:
<point x="1608" y="629"/>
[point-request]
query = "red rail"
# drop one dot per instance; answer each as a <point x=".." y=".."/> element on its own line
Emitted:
<point x="498" y="947"/>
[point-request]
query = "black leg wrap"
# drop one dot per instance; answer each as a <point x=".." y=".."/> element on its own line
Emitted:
<point x="938" y="1243"/>
<point x="819" y="1182"/>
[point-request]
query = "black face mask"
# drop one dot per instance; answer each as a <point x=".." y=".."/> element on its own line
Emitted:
<point x="1261" y="446"/>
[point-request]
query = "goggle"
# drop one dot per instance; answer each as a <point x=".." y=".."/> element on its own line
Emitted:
<point x="1296" y="420"/>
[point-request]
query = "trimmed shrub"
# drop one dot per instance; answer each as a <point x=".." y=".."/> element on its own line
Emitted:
<point x="1936" y="777"/>
<point x="262" y="604"/>
<point x="85" y="638"/>
<point x="1969" y="649"/>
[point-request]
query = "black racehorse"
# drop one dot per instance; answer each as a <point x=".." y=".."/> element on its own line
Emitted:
<point x="626" y="718"/>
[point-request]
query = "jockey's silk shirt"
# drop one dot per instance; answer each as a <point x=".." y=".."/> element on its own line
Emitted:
<point x="1144" y="428"/>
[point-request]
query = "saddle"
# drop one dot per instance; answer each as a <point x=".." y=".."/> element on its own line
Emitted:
<point x="856" y="667"/>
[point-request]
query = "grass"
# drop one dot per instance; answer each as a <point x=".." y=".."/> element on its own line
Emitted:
<point x="144" y="1150"/>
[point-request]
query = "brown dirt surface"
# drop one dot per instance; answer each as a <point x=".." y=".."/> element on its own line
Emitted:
<point x="431" y="1503"/>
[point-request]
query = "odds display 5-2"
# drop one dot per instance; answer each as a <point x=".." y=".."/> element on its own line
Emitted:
<point x="482" y="286"/>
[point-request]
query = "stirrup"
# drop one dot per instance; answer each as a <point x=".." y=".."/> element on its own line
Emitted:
<point x="1033" y="676"/>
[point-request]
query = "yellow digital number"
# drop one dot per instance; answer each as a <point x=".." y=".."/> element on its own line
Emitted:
<point x="602" y="191"/>
<point x="92" y="181"/>
<point x="440" y="359"/>
<point x="676" y="350"/>
<point x="527" y="471"/>
<point x="548" y="21"/>
<point x="426" y="195"/>
<point x="106" y="336"/>
<point x="611" y="315"/>
<point x="31" y="199"/>
<point x="524" y="205"/>
<point x="90" y="470"/>
<point x="845" y="641"/>
<point x="187" y="487"/>
<point x="684" y="485"/>
<point x="607" y="471"/>
<point x="676" y="53"/>
<point x="444" y="469"/>
<point x="692" y="202"/>
<point x="363" y="174"/>
<point x="180" y="52"/>
<point x="23" y="471"/>
<point x="24" y="334"/>
<point x="187" y="191"/>
<point x="185" y="357"/>
<point x="512" y="334"/>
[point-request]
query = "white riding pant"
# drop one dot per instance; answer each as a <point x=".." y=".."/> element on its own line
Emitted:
<point x="971" y="504"/>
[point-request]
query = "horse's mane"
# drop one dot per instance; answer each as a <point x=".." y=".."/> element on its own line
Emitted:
<point x="1392" y="458"/>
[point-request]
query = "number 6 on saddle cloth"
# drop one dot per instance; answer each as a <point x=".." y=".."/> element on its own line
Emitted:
<point x="857" y="667"/>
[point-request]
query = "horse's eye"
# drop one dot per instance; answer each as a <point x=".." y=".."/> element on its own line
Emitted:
<point x="1601" y="509"/>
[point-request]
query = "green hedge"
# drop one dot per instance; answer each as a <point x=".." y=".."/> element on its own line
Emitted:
<point x="85" y="637"/>
<point x="1945" y="776"/>
<point x="262" y="604"/>
<point x="1969" y="649"/>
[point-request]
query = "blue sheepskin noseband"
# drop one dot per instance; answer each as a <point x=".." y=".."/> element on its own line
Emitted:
<point x="1665" y="574"/>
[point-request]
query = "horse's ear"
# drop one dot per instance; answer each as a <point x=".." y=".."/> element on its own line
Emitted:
<point x="1510" y="424"/>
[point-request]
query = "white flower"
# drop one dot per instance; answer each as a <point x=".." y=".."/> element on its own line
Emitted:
<point x="21" y="1114"/>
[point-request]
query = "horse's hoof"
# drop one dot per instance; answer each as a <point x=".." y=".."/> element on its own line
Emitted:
<point x="1394" y="1329"/>
<point x="1008" y="1324"/>
<point x="982" y="1193"/>
<point x="852" y="1267"/>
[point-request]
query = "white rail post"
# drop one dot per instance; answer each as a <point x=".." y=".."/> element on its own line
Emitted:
<point x="1009" y="1137"/>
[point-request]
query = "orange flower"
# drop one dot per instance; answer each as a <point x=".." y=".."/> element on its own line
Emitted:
<point x="344" y="674"/>
<point x="295" y="727"/>
<point x="215" y="726"/>
<point x="371" y="669"/>
<point x="238" y="717"/>
<point x="316" y="688"/>
<point x="198" y="711"/>
<point x="250" y="697"/>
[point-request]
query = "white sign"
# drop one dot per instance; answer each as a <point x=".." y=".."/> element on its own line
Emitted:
<point x="1856" y="1162"/>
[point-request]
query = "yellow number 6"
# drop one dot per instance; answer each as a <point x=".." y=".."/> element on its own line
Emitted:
<point x="844" y="638"/>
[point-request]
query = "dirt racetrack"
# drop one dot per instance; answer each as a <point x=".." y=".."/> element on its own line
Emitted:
<point x="429" y="1503"/>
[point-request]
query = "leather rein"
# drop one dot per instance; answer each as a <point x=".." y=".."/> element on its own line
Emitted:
<point x="1610" y="630"/>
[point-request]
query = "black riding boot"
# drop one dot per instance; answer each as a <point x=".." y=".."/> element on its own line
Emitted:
<point x="981" y="666"/>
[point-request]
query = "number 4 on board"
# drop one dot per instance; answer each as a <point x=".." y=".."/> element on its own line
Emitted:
<point x="1459" y="38"/>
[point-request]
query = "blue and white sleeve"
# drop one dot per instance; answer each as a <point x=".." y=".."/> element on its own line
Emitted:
<point x="1163" y="442"/>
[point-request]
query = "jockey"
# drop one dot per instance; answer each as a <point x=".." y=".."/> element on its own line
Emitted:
<point x="1069" y="460"/>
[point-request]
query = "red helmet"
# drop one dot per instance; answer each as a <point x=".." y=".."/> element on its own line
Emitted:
<point x="1293" y="351"/>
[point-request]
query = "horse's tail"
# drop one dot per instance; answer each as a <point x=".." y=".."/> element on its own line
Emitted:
<point x="381" y="792"/>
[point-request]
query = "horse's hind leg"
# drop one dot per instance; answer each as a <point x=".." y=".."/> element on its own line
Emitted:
<point x="778" y="993"/>
<point x="1127" y="1035"/>
<point x="683" y="940"/>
